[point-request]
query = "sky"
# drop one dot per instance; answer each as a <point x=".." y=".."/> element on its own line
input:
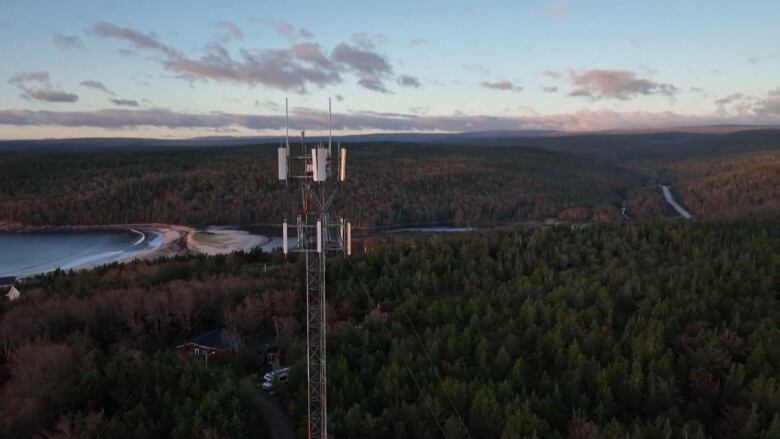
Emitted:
<point x="180" y="69"/>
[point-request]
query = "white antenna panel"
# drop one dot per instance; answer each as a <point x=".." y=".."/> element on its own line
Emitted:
<point x="319" y="236"/>
<point x="342" y="164"/>
<point x="320" y="164"/>
<point x="349" y="239"/>
<point x="282" y="157"/>
<point x="284" y="237"/>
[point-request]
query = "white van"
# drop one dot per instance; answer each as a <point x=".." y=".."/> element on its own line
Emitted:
<point x="279" y="375"/>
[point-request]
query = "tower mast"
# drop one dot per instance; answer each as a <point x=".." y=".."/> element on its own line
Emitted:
<point x="317" y="234"/>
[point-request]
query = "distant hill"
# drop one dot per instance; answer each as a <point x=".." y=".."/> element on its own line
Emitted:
<point x="463" y="178"/>
<point x="209" y="141"/>
<point x="390" y="183"/>
<point x="712" y="129"/>
<point x="540" y="137"/>
<point x="451" y="137"/>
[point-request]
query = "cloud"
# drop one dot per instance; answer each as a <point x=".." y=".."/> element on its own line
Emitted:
<point x="769" y="105"/>
<point x="584" y="120"/>
<point x="23" y="77"/>
<point x="408" y="81"/>
<point x="113" y="118"/>
<point x="136" y="38"/>
<point x="124" y="102"/>
<point x="287" y="69"/>
<point x="294" y="68"/>
<point x="289" y="31"/>
<point x="552" y="89"/>
<point x="49" y="95"/>
<point x="501" y="85"/>
<point x="96" y="85"/>
<point x="37" y="86"/>
<point x="269" y="104"/>
<point x="368" y="40"/>
<point x="68" y="41"/>
<point x="615" y="84"/>
<point x="362" y="58"/>
<point x="734" y="98"/>
<point x="339" y="97"/>
<point x="744" y="105"/>
<point x="417" y="41"/>
<point x="372" y="83"/>
<point x="230" y="28"/>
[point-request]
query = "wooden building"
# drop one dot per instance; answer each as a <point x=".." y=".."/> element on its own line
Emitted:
<point x="211" y="345"/>
<point x="11" y="293"/>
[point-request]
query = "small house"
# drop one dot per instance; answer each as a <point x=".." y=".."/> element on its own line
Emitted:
<point x="212" y="345"/>
<point x="272" y="355"/>
<point x="13" y="293"/>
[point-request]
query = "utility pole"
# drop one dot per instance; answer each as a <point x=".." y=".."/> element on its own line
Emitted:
<point x="319" y="175"/>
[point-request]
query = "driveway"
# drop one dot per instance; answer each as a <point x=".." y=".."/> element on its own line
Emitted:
<point x="274" y="417"/>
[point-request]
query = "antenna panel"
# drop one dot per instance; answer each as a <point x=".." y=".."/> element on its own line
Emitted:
<point x="342" y="164"/>
<point x="312" y="167"/>
<point x="319" y="236"/>
<point x="284" y="237"/>
<point x="282" y="158"/>
<point x="349" y="239"/>
<point x="321" y="164"/>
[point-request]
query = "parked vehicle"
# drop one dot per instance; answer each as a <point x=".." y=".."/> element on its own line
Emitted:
<point x="275" y="376"/>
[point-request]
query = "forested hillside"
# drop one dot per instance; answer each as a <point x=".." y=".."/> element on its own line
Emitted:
<point x="388" y="184"/>
<point x="579" y="178"/>
<point x="655" y="331"/>
<point x="641" y="331"/>
<point x="730" y="186"/>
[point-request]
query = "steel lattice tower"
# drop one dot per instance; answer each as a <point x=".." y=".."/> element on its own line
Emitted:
<point x="320" y="176"/>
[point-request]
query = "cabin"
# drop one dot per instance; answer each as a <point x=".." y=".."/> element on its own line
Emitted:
<point x="270" y="353"/>
<point x="11" y="293"/>
<point x="212" y="345"/>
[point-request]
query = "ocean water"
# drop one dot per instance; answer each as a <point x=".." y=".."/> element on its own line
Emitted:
<point x="277" y="242"/>
<point x="29" y="253"/>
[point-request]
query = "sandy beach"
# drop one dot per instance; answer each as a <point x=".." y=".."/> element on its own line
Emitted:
<point x="216" y="241"/>
<point x="162" y="240"/>
<point x="177" y="239"/>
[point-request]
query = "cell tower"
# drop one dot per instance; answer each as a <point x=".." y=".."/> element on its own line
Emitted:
<point x="319" y="173"/>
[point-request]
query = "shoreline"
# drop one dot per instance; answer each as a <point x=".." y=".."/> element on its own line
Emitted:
<point x="223" y="240"/>
<point x="173" y="239"/>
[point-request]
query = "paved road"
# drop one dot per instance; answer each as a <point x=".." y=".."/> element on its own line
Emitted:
<point x="670" y="199"/>
<point x="274" y="417"/>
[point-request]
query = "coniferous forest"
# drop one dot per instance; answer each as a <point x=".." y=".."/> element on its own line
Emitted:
<point x="405" y="219"/>
<point x="586" y="178"/>
<point x="389" y="184"/>
<point x="645" y="331"/>
<point x="611" y="324"/>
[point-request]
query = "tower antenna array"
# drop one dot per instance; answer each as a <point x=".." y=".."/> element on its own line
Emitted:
<point x="319" y="176"/>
